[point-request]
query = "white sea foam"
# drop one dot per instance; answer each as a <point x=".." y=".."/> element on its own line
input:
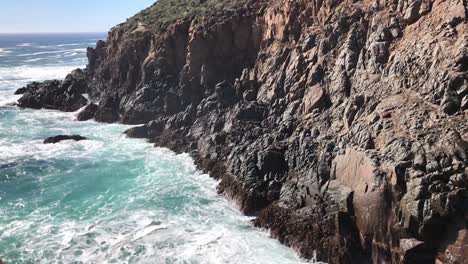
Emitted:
<point x="7" y="99"/>
<point x="64" y="52"/>
<point x="34" y="73"/>
<point x="71" y="54"/>
<point x="70" y="44"/>
<point x="34" y="60"/>
<point x="25" y="45"/>
<point x="127" y="226"/>
<point x="37" y="150"/>
<point x="4" y="52"/>
<point x="41" y="53"/>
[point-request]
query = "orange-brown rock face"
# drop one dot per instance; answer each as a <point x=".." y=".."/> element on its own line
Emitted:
<point x="343" y="125"/>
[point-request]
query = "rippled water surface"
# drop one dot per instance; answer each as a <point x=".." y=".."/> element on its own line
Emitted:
<point x="108" y="199"/>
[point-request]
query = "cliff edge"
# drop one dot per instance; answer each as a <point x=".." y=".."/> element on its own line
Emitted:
<point x="341" y="125"/>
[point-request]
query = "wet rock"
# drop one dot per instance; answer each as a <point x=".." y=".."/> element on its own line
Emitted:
<point x="137" y="132"/>
<point x="106" y="115"/>
<point x="57" y="139"/>
<point x="21" y="90"/>
<point x="65" y="96"/>
<point x="88" y="112"/>
<point x="107" y="111"/>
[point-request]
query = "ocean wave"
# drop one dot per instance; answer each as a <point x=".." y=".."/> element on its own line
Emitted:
<point x="37" y="150"/>
<point x="41" y="53"/>
<point x="4" y="51"/>
<point x="8" y="99"/>
<point x="25" y="45"/>
<point x="23" y="74"/>
<point x="70" y="44"/>
<point x="171" y="214"/>
<point x="34" y="60"/>
<point x="71" y="54"/>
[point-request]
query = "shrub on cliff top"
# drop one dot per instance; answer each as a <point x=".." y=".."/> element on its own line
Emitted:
<point x="165" y="12"/>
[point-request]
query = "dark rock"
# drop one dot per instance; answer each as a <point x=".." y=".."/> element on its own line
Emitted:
<point x="57" y="139"/>
<point x="106" y="115"/>
<point x="107" y="111"/>
<point x="88" y="112"/>
<point x="65" y="96"/>
<point x="21" y="90"/>
<point x="137" y="132"/>
<point x="450" y="103"/>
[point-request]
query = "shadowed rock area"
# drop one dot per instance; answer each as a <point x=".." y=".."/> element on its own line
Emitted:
<point x="341" y="125"/>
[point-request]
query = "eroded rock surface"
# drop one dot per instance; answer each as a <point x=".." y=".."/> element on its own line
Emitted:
<point x="342" y="125"/>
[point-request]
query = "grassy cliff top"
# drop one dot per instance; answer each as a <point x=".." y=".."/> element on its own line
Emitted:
<point x="165" y="12"/>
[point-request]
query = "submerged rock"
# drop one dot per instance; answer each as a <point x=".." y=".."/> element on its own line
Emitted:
<point x="57" y="139"/>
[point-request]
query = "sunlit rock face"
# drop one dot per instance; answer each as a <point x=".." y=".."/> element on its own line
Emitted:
<point x="341" y="124"/>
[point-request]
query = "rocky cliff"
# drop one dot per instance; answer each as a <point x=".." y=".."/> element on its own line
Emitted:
<point x="341" y="125"/>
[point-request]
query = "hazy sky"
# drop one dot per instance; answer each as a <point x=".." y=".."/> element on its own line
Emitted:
<point x="40" y="16"/>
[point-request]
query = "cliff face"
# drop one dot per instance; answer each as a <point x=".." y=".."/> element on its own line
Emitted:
<point x="342" y="125"/>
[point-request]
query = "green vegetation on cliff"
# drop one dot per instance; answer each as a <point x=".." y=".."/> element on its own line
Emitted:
<point x="165" y="12"/>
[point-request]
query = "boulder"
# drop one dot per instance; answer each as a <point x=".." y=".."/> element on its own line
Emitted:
<point x="57" y="139"/>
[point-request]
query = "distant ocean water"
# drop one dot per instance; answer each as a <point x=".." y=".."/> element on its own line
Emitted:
<point x="109" y="199"/>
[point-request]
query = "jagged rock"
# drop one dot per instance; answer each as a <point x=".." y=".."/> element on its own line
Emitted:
<point x="65" y="96"/>
<point x="57" y="139"/>
<point x="414" y="251"/>
<point x="107" y="111"/>
<point x="21" y="90"/>
<point x="450" y="103"/>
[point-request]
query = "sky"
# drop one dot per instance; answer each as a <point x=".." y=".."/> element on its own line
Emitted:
<point x="61" y="16"/>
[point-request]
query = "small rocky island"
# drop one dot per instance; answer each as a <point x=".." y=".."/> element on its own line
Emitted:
<point x="60" y="138"/>
<point x="341" y="125"/>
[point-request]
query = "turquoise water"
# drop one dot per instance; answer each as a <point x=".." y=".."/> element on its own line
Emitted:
<point x="109" y="199"/>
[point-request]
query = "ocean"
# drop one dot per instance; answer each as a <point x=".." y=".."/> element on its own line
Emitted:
<point x="109" y="199"/>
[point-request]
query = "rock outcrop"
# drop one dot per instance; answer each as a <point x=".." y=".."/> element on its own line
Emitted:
<point x="57" y="139"/>
<point x="64" y="95"/>
<point x="342" y="125"/>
